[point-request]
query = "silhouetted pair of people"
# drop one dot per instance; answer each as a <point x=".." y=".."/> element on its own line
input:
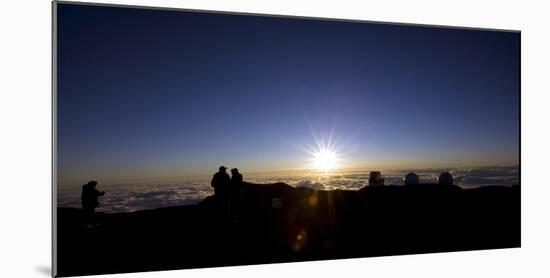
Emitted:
<point x="228" y="191"/>
<point x="89" y="201"/>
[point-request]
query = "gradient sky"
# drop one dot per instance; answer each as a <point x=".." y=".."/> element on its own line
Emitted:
<point x="146" y="94"/>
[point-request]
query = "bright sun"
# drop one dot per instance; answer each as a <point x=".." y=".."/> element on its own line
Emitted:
<point x="325" y="160"/>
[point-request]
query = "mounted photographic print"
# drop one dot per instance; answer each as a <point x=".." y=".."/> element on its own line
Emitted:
<point x="192" y="139"/>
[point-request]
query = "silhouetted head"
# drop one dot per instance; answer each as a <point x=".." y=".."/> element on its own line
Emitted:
<point x="411" y="179"/>
<point x="222" y="169"/>
<point x="446" y="178"/>
<point x="92" y="183"/>
<point x="234" y="171"/>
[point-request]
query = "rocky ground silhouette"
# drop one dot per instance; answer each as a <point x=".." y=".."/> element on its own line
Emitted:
<point x="279" y="223"/>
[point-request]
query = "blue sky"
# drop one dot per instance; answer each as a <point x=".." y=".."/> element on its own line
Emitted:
<point x="155" y="93"/>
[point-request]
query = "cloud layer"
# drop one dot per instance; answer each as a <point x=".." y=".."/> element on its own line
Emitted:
<point x="132" y="197"/>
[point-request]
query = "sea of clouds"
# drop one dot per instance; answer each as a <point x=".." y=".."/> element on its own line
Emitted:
<point x="132" y="197"/>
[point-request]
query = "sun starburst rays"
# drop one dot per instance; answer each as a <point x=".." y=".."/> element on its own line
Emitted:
<point x="324" y="160"/>
<point x="325" y="156"/>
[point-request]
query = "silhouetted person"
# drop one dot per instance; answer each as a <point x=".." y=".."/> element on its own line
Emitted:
<point x="221" y="183"/>
<point x="89" y="201"/>
<point x="375" y="178"/>
<point x="236" y="192"/>
<point x="236" y="177"/>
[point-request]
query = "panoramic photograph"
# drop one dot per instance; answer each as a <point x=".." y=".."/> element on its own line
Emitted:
<point x="191" y="139"/>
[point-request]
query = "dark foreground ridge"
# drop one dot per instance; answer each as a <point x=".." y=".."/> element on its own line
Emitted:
<point x="280" y="223"/>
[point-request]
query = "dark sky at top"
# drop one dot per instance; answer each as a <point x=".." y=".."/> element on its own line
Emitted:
<point x="152" y="93"/>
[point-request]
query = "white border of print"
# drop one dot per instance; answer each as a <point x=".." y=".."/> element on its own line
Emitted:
<point x="25" y="115"/>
